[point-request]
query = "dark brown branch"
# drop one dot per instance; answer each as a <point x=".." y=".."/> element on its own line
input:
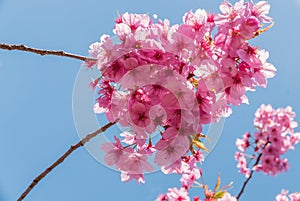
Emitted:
<point x="43" y="52"/>
<point x="63" y="157"/>
<point x="248" y="179"/>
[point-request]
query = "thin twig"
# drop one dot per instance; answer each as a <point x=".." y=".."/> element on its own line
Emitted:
<point x="42" y="52"/>
<point x="63" y="157"/>
<point x="248" y="179"/>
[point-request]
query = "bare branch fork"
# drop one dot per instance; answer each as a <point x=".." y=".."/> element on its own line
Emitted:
<point x="43" y="52"/>
<point x="248" y="179"/>
<point x="63" y="157"/>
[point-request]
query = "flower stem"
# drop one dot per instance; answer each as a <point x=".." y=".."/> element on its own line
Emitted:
<point x="63" y="157"/>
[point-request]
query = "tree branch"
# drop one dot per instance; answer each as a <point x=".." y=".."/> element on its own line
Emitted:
<point x="248" y="179"/>
<point x="43" y="52"/>
<point x="63" y="157"/>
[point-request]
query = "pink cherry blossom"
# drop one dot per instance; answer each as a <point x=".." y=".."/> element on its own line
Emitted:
<point x="249" y="27"/>
<point x="125" y="176"/>
<point x="162" y="197"/>
<point x="242" y="164"/>
<point x="128" y="138"/>
<point x="260" y="10"/>
<point x="171" y="152"/>
<point x="139" y="114"/>
<point x="128" y="23"/>
<point x="263" y="71"/>
<point x="227" y="197"/>
<point x="114" y="152"/>
<point x="243" y="144"/>
<point x="230" y="13"/>
<point x="295" y="196"/>
<point x="105" y="94"/>
<point x="135" y="163"/>
<point x="196" y="20"/>
<point x="188" y="179"/>
<point x="275" y="136"/>
<point x="283" y="196"/>
<point x="177" y="167"/>
<point x="249" y="55"/>
<point x="176" y="194"/>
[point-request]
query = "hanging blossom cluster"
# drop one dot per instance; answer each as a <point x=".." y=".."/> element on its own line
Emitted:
<point x="283" y="196"/>
<point x="274" y="137"/>
<point x="164" y="82"/>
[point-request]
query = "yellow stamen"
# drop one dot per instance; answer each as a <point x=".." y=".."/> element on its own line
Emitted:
<point x="257" y="33"/>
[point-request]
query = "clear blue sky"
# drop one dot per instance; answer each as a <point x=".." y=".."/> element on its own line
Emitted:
<point x="36" y="121"/>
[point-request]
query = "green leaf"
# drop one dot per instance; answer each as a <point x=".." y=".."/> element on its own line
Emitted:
<point x="219" y="194"/>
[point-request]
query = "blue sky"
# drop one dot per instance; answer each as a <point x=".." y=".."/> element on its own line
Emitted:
<point x="36" y="120"/>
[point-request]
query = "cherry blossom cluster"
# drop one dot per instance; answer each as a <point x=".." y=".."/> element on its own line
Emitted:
<point x="163" y="82"/>
<point x="182" y="193"/>
<point x="274" y="136"/>
<point x="283" y="196"/>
